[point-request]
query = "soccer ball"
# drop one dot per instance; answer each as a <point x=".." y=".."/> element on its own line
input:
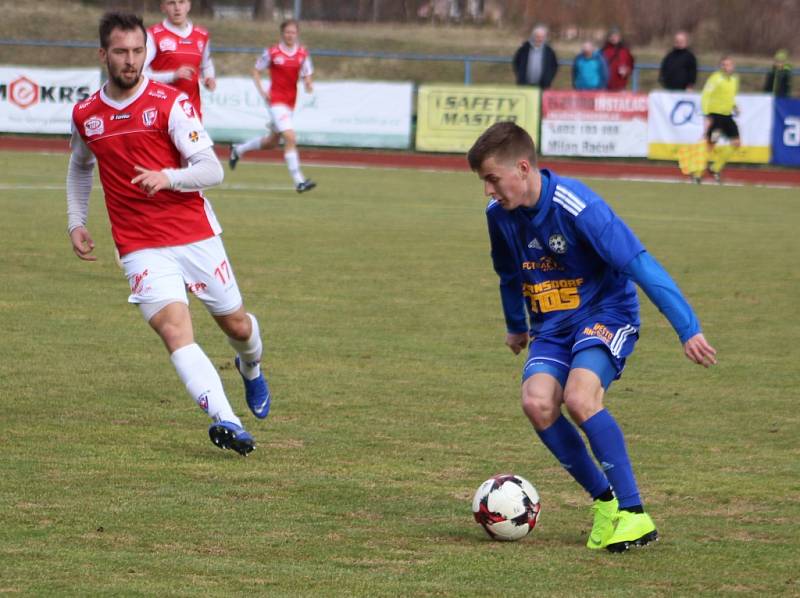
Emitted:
<point x="507" y="507"/>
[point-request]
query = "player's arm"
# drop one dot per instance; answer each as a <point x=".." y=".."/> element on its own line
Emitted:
<point x="661" y="289"/>
<point x="207" y="71"/>
<point x="261" y="66"/>
<point x="202" y="168"/>
<point x="511" y="297"/>
<point x="306" y="71"/>
<point x="79" y="187"/>
<point x="150" y="54"/>
<point x="618" y="246"/>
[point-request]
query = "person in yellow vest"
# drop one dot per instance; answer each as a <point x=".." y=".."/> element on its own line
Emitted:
<point x="718" y="103"/>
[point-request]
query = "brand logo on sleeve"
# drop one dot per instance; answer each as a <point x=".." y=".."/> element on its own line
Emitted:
<point x="94" y="126"/>
<point x="200" y="45"/>
<point x="194" y="136"/>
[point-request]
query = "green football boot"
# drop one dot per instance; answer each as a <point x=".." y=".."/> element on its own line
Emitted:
<point x="605" y="514"/>
<point x="633" y="529"/>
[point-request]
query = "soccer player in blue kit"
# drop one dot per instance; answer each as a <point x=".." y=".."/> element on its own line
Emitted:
<point x="567" y="264"/>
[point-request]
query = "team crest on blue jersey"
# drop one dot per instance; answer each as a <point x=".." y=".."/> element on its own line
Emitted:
<point x="535" y="244"/>
<point x="557" y="243"/>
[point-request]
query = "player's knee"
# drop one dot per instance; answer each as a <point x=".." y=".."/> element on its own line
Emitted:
<point x="540" y="408"/>
<point x="237" y="326"/>
<point x="581" y="405"/>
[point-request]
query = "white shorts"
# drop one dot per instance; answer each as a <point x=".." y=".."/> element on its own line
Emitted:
<point x="164" y="274"/>
<point x="281" y="116"/>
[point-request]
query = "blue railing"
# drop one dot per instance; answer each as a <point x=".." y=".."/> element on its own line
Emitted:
<point x="466" y="59"/>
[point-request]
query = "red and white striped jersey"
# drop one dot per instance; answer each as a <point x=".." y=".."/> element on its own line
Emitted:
<point x="285" y="69"/>
<point x="157" y="128"/>
<point x="171" y="50"/>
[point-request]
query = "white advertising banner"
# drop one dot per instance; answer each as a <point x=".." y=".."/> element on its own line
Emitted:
<point x="676" y="120"/>
<point x="38" y="100"/>
<point x="338" y="113"/>
<point x="592" y="123"/>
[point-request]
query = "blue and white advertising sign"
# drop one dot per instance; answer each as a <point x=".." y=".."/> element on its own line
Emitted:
<point x="786" y="132"/>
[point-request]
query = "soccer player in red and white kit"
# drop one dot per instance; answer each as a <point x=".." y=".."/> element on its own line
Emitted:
<point x="287" y="62"/>
<point x="154" y="157"/>
<point x="179" y="52"/>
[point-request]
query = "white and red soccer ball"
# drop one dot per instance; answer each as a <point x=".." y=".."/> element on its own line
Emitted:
<point x="507" y="507"/>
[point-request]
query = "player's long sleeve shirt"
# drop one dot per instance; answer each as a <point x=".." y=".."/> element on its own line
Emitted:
<point x="719" y="94"/>
<point x="572" y="256"/>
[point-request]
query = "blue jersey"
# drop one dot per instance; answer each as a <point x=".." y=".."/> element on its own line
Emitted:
<point x="562" y="261"/>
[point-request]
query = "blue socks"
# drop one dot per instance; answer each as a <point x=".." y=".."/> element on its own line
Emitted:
<point x="608" y="445"/>
<point x="564" y="441"/>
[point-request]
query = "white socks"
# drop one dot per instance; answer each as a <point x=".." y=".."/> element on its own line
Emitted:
<point x="293" y="164"/>
<point x="248" y="146"/>
<point x="203" y="382"/>
<point x="249" y="351"/>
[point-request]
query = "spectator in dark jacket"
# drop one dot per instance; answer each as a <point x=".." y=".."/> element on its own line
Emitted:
<point x="679" y="67"/>
<point x="779" y="78"/>
<point x="535" y="61"/>
<point x="589" y="70"/>
<point x="618" y="59"/>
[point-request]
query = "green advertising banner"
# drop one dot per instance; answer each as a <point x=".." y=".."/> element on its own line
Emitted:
<point x="451" y="117"/>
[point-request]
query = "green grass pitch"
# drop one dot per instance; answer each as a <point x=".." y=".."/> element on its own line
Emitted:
<point x="394" y="397"/>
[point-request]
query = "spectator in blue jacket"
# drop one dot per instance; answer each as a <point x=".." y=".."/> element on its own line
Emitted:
<point x="589" y="71"/>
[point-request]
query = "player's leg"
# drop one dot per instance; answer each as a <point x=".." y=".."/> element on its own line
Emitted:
<point x="292" y="158"/>
<point x="726" y="152"/>
<point x="211" y="278"/>
<point x="593" y="370"/>
<point x="244" y="336"/>
<point x="544" y="376"/>
<point x="157" y="286"/>
<point x="256" y="143"/>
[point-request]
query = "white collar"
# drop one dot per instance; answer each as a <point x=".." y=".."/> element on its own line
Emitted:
<point x="185" y="31"/>
<point x="127" y="102"/>
<point x="287" y="51"/>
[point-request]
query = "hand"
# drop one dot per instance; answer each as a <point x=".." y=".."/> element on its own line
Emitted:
<point x="150" y="181"/>
<point x="517" y="341"/>
<point x="82" y="243"/>
<point x="184" y="72"/>
<point x="736" y="111"/>
<point x="210" y="83"/>
<point x="699" y="351"/>
<point x="309" y="88"/>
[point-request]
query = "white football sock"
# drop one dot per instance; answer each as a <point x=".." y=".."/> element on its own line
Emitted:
<point x="203" y="383"/>
<point x="249" y="351"/>
<point x="248" y="146"/>
<point x="293" y="164"/>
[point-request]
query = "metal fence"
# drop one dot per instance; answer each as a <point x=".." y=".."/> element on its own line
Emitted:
<point x="466" y="60"/>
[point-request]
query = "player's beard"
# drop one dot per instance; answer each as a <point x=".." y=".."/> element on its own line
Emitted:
<point x="122" y="82"/>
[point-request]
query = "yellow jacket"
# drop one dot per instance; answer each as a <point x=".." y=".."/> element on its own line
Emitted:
<point x="719" y="94"/>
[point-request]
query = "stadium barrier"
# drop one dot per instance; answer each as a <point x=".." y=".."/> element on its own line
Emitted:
<point x="449" y="117"/>
<point x="39" y="100"/>
<point x="594" y="124"/>
<point x="466" y="60"/>
<point x="339" y="113"/>
<point x="675" y="120"/>
<point x="786" y="132"/>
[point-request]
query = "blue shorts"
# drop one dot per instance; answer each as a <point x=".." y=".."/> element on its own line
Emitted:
<point x="558" y="354"/>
